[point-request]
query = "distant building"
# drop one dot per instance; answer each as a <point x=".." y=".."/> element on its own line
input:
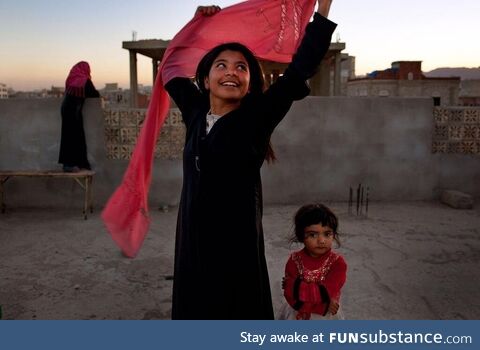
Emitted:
<point x="3" y="91"/>
<point x="347" y="73"/>
<point x="111" y="87"/>
<point x="114" y="96"/>
<point x="29" y="94"/>
<point x="53" y="92"/>
<point x="406" y="79"/>
<point x="56" y="91"/>
<point x="470" y="92"/>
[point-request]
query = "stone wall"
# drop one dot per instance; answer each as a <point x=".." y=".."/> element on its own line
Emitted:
<point x="324" y="146"/>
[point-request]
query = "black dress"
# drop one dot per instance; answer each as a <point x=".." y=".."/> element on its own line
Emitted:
<point x="220" y="268"/>
<point x="73" y="148"/>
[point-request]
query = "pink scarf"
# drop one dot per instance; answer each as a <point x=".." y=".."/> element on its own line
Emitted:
<point x="77" y="78"/>
<point x="272" y="29"/>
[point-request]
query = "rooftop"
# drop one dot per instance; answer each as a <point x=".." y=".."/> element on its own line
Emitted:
<point x="407" y="260"/>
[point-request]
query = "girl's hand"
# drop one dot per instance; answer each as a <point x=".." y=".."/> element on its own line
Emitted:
<point x="333" y="307"/>
<point x="324" y="7"/>
<point x="207" y="10"/>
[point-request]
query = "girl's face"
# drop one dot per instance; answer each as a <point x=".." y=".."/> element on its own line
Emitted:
<point x="318" y="240"/>
<point x="229" y="77"/>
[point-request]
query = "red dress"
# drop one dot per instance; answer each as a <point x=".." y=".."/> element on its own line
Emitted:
<point x="311" y="283"/>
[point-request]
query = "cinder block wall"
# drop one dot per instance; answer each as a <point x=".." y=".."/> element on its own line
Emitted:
<point x="324" y="145"/>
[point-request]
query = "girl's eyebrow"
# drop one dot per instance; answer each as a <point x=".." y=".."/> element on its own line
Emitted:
<point x="224" y="60"/>
<point x="328" y="231"/>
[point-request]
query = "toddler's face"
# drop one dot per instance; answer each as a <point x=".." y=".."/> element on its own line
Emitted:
<point x="318" y="239"/>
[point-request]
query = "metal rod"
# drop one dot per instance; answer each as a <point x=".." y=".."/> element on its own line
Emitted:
<point x="358" y="198"/>
<point x="350" y="201"/>
<point x="361" y="200"/>
<point x="366" y="206"/>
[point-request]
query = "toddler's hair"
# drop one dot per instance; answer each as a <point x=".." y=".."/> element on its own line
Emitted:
<point x="313" y="214"/>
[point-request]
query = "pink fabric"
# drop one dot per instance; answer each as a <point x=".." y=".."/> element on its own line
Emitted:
<point x="272" y="29"/>
<point x="77" y="78"/>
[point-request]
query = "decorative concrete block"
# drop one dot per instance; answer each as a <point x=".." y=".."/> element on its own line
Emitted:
<point x="456" y="199"/>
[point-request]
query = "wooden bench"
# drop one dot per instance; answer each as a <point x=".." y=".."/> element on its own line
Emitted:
<point x="84" y="178"/>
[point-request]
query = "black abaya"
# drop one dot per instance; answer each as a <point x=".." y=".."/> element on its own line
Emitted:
<point x="73" y="147"/>
<point x="220" y="267"/>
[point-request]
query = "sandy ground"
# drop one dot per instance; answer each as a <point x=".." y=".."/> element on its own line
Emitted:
<point x="409" y="260"/>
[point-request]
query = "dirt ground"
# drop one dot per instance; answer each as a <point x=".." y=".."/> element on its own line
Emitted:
<point x="407" y="260"/>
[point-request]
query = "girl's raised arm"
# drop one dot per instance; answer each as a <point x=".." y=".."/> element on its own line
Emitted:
<point x="324" y="7"/>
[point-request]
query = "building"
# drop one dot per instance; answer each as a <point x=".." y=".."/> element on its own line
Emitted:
<point x="111" y="87"/>
<point x="3" y="91"/>
<point x="114" y="95"/>
<point x="406" y="79"/>
<point x="470" y="92"/>
<point x="56" y="91"/>
<point x="347" y="73"/>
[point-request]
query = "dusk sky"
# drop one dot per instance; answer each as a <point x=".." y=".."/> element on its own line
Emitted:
<point x="42" y="39"/>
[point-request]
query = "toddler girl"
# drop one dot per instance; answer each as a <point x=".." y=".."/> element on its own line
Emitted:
<point x="314" y="275"/>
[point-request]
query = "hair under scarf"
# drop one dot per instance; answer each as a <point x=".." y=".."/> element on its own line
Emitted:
<point x="272" y="30"/>
<point x="77" y="78"/>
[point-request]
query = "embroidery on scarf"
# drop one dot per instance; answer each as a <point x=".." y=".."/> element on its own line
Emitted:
<point x="297" y="10"/>
<point x="281" y="32"/>
<point x="285" y="22"/>
<point x="269" y="26"/>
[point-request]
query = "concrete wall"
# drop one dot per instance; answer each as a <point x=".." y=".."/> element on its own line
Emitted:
<point x="447" y="90"/>
<point x="30" y="139"/>
<point x="324" y="145"/>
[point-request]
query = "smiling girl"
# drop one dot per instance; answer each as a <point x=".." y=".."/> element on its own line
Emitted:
<point x="220" y="267"/>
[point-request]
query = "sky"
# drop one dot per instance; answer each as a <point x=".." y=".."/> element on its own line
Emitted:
<point x="43" y="39"/>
